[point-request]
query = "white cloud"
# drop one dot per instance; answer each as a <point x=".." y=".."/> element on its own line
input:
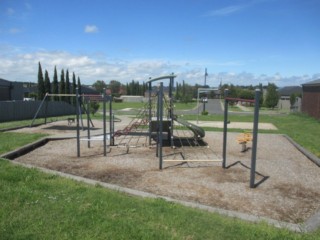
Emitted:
<point x="91" y="29"/>
<point x="225" y="11"/>
<point x="18" y="66"/>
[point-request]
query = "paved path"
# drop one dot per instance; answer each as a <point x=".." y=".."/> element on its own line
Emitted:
<point x="213" y="107"/>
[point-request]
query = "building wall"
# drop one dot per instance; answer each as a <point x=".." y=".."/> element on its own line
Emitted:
<point x="4" y="93"/>
<point x="311" y="101"/>
<point x="11" y="91"/>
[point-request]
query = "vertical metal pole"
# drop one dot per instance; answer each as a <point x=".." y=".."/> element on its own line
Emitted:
<point x="205" y="84"/>
<point x="158" y="123"/>
<point x="112" y="130"/>
<point x="254" y="138"/>
<point x="88" y="122"/>
<point x="104" y="124"/>
<point x="198" y="106"/>
<point x="80" y="111"/>
<point x="150" y="106"/>
<point x="35" y="116"/>
<point x="111" y="121"/>
<point x="78" y="127"/>
<point x="161" y="122"/>
<point x="171" y="110"/>
<point x="225" y="129"/>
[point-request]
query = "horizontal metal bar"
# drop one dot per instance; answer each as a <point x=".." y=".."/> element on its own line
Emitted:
<point x="240" y="99"/>
<point x="192" y="160"/>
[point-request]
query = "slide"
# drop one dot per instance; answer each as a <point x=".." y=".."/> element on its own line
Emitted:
<point x="198" y="131"/>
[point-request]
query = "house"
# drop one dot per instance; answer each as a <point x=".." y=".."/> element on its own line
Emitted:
<point x="311" y="98"/>
<point x="11" y="91"/>
<point x="285" y="94"/>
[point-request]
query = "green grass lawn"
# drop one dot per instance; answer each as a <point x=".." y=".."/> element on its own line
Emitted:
<point x="35" y="205"/>
<point x="10" y="141"/>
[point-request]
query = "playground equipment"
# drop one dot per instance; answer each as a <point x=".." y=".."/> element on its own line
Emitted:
<point x="104" y="136"/>
<point x="243" y="139"/>
<point x="82" y="105"/>
<point x="254" y="131"/>
<point x="70" y="120"/>
<point x="162" y="126"/>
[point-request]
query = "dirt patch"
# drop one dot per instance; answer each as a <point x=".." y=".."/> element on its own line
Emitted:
<point x="290" y="182"/>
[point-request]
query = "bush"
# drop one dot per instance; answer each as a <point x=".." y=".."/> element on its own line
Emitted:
<point x="204" y="113"/>
<point x="94" y="106"/>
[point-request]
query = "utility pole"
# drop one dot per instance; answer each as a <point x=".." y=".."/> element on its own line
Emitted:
<point x="206" y="95"/>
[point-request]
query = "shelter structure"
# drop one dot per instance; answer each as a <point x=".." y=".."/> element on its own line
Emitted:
<point x="311" y="98"/>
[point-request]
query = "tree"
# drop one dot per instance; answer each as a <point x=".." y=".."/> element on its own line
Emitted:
<point x="47" y="84"/>
<point x="115" y="87"/>
<point x="94" y="107"/>
<point x="41" y="90"/>
<point x="67" y="91"/>
<point x="246" y="94"/>
<point x="293" y="97"/>
<point x="272" y="96"/>
<point x="62" y="85"/>
<point x="55" y="84"/>
<point x="74" y="86"/>
<point x="261" y="94"/>
<point x="99" y="85"/>
<point x="79" y="86"/>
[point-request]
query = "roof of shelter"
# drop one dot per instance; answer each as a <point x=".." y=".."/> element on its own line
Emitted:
<point x="312" y="83"/>
<point x="287" y="91"/>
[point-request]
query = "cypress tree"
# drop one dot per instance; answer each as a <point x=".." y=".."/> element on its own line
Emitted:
<point x="74" y="86"/>
<point x="55" y="84"/>
<point x="62" y="85"/>
<point x="47" y="84"/>
<point x="67" y="91"/>
<point x="79" y="86"/>
<point x="41" y="90"/>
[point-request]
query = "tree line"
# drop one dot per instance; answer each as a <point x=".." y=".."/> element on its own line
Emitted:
<point x="62" y="86"/>
<point x="185" y="92"/>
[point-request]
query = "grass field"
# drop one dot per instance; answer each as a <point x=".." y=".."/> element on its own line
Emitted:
<point x="11" y="141"/>
<point x="35" y="205"/>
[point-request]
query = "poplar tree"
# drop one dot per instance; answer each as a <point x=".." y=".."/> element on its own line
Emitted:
<point x="67" y="91"/>
<point x="47" y="84"/>
<point x="79" y="86"/>
<point x="41" y="90"/>
<point x="62" y="85"/>
<point x="55" y="84"/>
<point x="74" y="86"/>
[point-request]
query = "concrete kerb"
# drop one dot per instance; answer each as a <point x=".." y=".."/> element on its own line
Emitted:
<point x="234" y="214"/>
<point x="309" y="155"/>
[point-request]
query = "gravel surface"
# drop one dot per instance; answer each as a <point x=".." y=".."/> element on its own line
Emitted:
<point x="289" y="189"/>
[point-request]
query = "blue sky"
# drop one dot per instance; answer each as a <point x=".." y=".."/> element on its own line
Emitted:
<point x="239" y="42"/>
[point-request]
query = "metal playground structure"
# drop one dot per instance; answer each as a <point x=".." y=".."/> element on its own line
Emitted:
<point x="156" y="126"/>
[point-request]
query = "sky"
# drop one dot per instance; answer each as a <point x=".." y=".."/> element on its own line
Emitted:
<point x="240" y="42"/>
